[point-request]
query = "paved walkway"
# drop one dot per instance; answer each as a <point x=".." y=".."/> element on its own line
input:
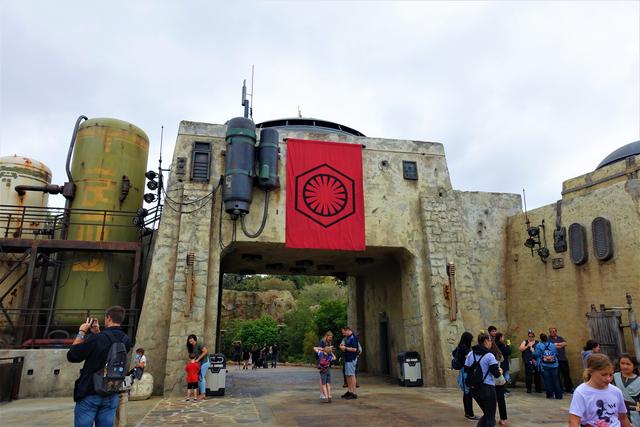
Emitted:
<point x="290" y="397"/>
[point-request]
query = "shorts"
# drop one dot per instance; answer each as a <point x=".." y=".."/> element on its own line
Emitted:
<point x="192" y="386"/>
<point x="350" y="368"/>
<point x="325" y="377"/>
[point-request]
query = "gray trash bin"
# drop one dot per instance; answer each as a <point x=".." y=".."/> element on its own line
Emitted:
<point x="216" y="375"/>
<point x="409" y="369"/>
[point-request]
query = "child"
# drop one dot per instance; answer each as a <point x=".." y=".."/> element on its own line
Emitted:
<point x="192" y="369"/>
<point x="139" y="364"/>
<point x="596" y="402"/>
<point x="628" y="381"/>
<point x="325" y="357"/>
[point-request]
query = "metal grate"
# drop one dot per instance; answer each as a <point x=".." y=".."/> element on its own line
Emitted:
<point x="201" y="161"/>
<point x="602" y="239"/>
<point x="578" y="243"/>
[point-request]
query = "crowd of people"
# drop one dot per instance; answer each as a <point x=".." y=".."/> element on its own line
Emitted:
<point x="484" y="373"/>
<point x="255" y="356"/>
<point x="608" y="396"/>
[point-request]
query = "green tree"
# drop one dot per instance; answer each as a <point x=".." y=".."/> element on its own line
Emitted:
<point x="298" y="321"/>
<point x="319" y="292"/>
<point x="258" y="332"/>
<point x="331" y="316"/>
<point x="310" y="341"/>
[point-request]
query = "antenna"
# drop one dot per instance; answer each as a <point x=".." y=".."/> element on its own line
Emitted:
<point x="299" y="113"/>
<point x="251" y="94"/>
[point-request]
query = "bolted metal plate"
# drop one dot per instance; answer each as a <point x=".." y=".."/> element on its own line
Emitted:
<point x="602" y="239"/>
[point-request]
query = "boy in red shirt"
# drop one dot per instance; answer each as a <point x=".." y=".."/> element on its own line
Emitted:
<point x="192" y="369"/>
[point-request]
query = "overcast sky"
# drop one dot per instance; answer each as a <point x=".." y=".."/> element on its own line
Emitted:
<point x="521" y="94"/>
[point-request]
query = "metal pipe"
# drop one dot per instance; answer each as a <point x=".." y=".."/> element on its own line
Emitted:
<point x="72" y="144"/>
<point x="50" y="188"/>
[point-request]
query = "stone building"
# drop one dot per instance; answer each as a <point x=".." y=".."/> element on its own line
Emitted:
<point x="415" y="225"/>
<point x="560" y="291"/>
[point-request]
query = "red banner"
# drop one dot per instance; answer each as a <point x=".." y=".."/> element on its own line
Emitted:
<point x="325" y="200"/>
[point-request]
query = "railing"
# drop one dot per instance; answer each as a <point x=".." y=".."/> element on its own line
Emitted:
<point x="35" y="221"/>
<point x="30" y="332"/>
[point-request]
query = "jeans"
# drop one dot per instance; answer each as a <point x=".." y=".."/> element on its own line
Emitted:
<point x="98" y="409"/>
<point x="202" y="378"/>
<point x="274" y="360"/>
<point x="485" y="396"/>
<point x="563" y="370"/>
<point x="552" y="382"/>
<point x="532" y="377"/>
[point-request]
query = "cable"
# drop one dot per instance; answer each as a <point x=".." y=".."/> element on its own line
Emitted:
<point x="265" y="214"/>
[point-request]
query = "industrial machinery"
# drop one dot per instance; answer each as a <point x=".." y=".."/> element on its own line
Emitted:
<point x="108" y="172"/>
<point x="18" y="170"/>
<point x="61" y="265"/>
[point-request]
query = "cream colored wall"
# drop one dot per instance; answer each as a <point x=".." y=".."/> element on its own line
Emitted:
<point x="539" y="296"/>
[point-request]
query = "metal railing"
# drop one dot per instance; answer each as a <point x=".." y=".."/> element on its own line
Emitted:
<point x="30" y="331"/>
<point x="48" y="222"/>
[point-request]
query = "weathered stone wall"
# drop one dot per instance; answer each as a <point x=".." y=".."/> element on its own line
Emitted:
<point x="253" y="305"/>
<point x="420" y="225"/>
<point x="539" y="296"/>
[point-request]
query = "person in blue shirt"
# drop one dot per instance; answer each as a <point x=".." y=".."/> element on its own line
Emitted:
<point x="547" y="355"/>
<point x="350" y="349"/>
<point x="485" y="395"/>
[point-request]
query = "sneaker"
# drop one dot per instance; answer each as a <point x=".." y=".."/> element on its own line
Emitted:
<point x="329" y="400"/>
<point x="344" y="386"/>
<point x="472" y="417"/>
<point x="351" y="396"/>
<point x="187" y="399"/>
<point x="322" y="397"/>
<point x="346" y="395"/>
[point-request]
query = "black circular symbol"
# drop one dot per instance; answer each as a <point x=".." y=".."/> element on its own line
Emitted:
<point x="324" y="195"/>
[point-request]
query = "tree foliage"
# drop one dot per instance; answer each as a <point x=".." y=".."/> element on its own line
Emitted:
<point x="258" y="332"/>
<point x="331" y="316"/>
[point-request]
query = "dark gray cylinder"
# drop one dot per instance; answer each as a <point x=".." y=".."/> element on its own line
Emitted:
<point x="239" y="165"/>
<point x="268" y="160"/>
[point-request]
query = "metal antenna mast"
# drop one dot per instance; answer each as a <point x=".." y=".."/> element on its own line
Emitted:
<point x="251" y="94"/>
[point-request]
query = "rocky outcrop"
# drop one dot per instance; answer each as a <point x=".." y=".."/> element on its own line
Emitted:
<point x="253" y="305"/>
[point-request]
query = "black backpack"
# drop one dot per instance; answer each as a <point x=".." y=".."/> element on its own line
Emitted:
<point x="457" y="361"/>
<point x="109" y="380"/>
<point x="475" y="377"/>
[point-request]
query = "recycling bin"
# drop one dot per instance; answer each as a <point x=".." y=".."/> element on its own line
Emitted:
<point x="409" y="369"/>
<point x="216" y="375"/>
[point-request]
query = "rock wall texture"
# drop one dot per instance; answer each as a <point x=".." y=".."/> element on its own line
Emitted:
<point x="253" y="305"/>
<point x="413" y="228"/>
<point x="539" y="295"/>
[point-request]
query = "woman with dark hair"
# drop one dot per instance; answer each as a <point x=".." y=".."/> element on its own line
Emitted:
<point x="199" y="352"/>
<point x="482" y="365"/>
<point x="531" y="368"/>
<point x="547" y="354"/>
<point x="459" y="356"/>
<point x="590" y="347"/>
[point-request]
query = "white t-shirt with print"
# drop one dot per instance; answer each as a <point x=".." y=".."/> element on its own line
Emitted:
<point x="597" y="407"/>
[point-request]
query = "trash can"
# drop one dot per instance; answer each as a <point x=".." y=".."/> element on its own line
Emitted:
<point x="409" y="369"/>
<point x="216" y="375"/>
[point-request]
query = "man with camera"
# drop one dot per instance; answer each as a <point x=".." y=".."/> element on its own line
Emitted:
<point x="92" y="347"/>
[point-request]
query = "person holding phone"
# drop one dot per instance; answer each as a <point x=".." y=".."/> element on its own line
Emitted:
<point x="91" y="346"/>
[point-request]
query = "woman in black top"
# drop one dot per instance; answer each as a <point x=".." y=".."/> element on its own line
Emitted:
<point x="460" y="353"/>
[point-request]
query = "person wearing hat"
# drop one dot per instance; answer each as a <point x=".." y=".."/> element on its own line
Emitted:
<point x="531" y="369"/>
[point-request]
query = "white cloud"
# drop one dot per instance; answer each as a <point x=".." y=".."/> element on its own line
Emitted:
<point x="522" y="94"/>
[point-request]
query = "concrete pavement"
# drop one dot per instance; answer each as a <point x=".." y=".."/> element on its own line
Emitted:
<point x="289" y="396"/>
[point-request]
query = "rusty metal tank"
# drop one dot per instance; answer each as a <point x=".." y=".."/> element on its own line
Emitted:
<point x="18" y="170"/>
<point x="108" y="166"/>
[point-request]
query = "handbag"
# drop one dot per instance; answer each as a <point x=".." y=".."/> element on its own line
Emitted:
<point x="500" y="380"/>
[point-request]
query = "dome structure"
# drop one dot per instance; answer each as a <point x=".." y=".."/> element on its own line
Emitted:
<point x="309" y="124"/>
<point x="631" y="149"/>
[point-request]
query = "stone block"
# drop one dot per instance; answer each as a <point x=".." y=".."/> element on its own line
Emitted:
<point x="141" y="389"/>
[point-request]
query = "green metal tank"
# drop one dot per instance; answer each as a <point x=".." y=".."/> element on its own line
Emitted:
<point x="108" y="166"/>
